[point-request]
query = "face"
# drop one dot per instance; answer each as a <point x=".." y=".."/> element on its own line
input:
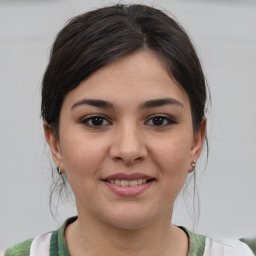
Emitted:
<point x="126" y="142"/>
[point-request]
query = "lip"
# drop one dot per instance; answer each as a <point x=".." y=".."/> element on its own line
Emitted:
<point x="128" y="191"/>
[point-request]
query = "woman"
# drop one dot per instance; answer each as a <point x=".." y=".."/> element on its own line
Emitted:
<point x="123" y="101"/>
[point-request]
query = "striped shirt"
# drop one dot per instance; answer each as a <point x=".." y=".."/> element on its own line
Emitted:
<point x="54" y="244"/>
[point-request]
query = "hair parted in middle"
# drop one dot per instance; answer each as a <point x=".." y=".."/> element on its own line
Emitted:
<point x="93" y="40"/>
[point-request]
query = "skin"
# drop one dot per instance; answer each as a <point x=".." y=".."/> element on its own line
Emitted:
<point x="128" y="140"/>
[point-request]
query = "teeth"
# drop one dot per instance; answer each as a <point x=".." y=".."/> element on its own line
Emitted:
<point x="125" y="183"/>
<point x="131" y="183"/>
<point x="117" y="182"/>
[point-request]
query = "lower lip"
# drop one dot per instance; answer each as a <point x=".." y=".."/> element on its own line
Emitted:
<point x="129" y="190"/>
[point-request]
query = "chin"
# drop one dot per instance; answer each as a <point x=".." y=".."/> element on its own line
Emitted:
<point x="126" y="219"/>
<point x="129" y="224"/>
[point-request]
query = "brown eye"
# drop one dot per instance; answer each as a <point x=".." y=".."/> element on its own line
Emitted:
<point x="160" y="120"/>
<point x="96" y="121"/>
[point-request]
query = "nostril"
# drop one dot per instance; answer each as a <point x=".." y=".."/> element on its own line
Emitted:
<point x="118" y="158"/>
<point x="139" y="158"/>
<point x="128" y="160"/>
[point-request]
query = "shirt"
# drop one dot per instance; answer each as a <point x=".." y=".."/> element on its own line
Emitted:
<point x="54" y="244"/>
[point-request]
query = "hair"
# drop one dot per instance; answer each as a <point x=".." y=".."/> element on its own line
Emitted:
<point x="94" y="39"/>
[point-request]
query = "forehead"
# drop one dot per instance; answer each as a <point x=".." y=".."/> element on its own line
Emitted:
<point x="131" y="79"/>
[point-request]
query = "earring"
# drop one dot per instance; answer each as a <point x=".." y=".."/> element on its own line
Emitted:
<point x="59" y="170"/>
<point x="194" y="163"/>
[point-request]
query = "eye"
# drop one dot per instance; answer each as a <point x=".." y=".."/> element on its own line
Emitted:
<point x="160" y="120"/>
<point x="95" y="121"/>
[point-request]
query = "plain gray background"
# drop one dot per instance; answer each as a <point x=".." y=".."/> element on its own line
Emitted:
<point x="224" y="33"/>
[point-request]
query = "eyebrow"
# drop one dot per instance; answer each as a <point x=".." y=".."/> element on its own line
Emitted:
<point x="93" y="102"/>
<point x="147" y="104"/>
<point x="161" y="102"/>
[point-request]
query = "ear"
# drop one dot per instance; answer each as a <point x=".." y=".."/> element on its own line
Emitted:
<point x="53" y="143"/>
<point x="198" y="140"/>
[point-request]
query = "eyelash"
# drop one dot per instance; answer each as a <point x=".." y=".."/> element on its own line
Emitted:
<point x="105" y="122"/>
<point x="166" y="119"/>
<point x="90" y="119"/>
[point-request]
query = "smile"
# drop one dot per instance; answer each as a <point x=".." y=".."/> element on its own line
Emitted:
<point x="131" y="183"/>
<point x="128" y="185"/>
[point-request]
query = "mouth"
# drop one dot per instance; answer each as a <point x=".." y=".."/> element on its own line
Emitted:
<point x="128" y="185"/>
<point x="131" y="183"/>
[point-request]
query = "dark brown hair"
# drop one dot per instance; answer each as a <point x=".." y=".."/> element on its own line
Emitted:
<point x="94" y="39"/>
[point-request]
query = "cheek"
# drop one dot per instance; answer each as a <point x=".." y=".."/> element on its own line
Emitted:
<point x="172" y="157"/>
<point x="82" y="157"/>
<point x="173" y="153"/>
<point x="82" y="160"/>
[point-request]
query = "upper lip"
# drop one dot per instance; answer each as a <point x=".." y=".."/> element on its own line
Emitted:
<point x="123" y="176"/>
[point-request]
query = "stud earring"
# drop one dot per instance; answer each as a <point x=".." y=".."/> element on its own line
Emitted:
<point x="193" y="163"/>
<point x="59" y="170"/>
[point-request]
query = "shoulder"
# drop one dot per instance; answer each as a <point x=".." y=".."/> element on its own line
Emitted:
<point x="251" y="243"/>
<point x="224" y="247"/>
<point x="205" y="246"/>
<point x="45" y="244"/>
<point x="31" y="247"/>
<point x="20" y="249"/>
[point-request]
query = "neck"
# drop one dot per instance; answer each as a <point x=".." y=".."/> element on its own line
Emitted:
<point x="99" y="238"/>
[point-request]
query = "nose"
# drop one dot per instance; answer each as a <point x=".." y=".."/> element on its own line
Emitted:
<point x="128" y="145"/>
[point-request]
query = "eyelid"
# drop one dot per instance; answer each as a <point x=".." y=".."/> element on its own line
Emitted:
<point x="170" y="120"/>
<point x="85" y="120"/>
